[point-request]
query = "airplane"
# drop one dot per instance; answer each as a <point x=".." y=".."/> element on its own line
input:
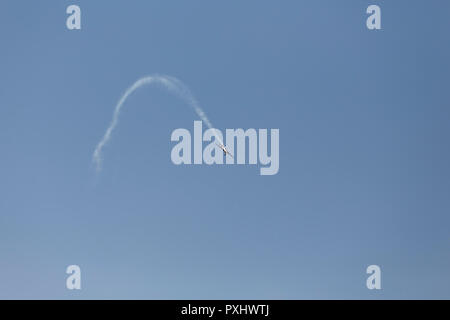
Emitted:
<point x="224" y="149"/>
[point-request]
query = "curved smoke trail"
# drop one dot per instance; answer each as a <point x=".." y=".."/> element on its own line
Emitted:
<point x="173" y="85"/>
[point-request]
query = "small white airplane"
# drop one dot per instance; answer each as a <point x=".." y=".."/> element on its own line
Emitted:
<point x="224" y="149"/>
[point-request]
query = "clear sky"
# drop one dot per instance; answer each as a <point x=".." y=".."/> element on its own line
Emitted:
<point x="364" y="154"/>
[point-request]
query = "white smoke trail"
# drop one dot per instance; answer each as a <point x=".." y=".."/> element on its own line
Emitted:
<point x="174" y="86"/>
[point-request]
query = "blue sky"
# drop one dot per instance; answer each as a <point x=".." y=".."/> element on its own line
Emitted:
<point x="364" y="127"/>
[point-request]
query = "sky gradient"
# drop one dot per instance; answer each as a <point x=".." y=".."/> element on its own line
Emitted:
<point x="364" y="155"/>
